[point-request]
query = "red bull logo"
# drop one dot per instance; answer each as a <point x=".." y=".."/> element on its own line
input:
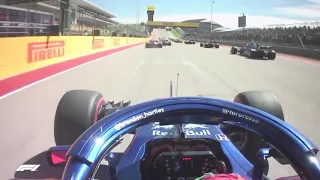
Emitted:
<point x="187" y="132"/>
<point x="40" y="51"/>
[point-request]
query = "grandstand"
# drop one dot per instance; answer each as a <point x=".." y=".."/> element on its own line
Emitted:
<point x="80" y="17"/>
<point x="301" y="34"/>
<point x="203" y="31"/>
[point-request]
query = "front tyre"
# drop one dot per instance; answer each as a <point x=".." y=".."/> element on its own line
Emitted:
<point x="233" y="50"/>
<point x="251" y="55"/>
<point x="264" y="101"/>
<point x="271" y="56"/>
<point x="76" y="112"/>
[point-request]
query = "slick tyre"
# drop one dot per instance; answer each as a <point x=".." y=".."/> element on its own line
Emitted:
<point x="233" y="50"/>
<point x="76" y="112"/>
<point x="252" y="55"/>
<point x="272" y="56"/>
<point x="264" y="101"/>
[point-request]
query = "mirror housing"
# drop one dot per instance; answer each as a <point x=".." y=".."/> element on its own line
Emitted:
<point x="57" y="157"/>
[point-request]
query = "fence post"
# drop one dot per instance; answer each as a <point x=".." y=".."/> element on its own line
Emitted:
<point x="301" y="41"/>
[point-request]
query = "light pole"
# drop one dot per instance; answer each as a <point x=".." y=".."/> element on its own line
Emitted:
<point x="137" y="14"/>
<point x="212" y="2"/>
<point x="138" y="8"/>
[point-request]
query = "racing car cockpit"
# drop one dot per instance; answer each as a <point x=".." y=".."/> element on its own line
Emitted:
<point x="186" y="137"/>
<point x="180" y="147"/>
<point x="183" y="159"/>
<point x="253" y="46"/>
<point x="187" y="151"/>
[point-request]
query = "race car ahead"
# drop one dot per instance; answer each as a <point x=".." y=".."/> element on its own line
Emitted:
<point x="165" y="42"/>
<point x="153" y="44"/>
<point x="176" y="40"/>
<point x="174" y="138"/>
<point x="210" y="45"/>
<point x="189" y="42"/>
<point x="255" y="51"/>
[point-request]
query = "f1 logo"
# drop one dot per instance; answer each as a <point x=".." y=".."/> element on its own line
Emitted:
<point x="28" y="167"/>
<point x="222" y="137"/>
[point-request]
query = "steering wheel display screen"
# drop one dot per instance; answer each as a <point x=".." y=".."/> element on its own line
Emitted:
<point x="183" y="165"/>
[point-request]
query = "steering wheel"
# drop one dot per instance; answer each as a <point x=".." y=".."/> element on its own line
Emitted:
<point x="91" y="146"/>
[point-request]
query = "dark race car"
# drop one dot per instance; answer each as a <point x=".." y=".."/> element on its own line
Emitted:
<point x="255" y="51"/>
<point x="189" y="42"/>
<point x="165" y="42"/>
<point x="153" y="44"/>
<point x="176" y="40"/>
<point x="210" y="45"/>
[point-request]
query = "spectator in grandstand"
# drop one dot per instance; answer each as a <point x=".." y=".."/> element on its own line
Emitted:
<point x="286" y="35"/>
<point x="290" y="35"/>
<point x="30" y="18"/>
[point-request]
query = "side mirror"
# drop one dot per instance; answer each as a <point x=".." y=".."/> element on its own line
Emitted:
<point x="57" y="157"/>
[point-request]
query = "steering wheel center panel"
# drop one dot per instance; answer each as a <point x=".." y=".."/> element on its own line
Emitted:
<point x="158" y="150"/>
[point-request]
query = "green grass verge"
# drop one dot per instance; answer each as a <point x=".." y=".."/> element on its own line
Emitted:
<point x="175" y="33"/>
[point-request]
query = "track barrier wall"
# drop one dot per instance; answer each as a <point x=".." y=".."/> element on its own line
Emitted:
<point x="23" y="54"/>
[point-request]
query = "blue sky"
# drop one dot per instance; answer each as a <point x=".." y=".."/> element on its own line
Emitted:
<point x="272" y="11"/>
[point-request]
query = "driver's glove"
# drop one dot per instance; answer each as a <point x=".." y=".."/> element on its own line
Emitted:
<point x="211" y="176"/>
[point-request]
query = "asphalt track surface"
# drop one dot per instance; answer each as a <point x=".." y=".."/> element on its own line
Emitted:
<point x="140" y="74"/>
